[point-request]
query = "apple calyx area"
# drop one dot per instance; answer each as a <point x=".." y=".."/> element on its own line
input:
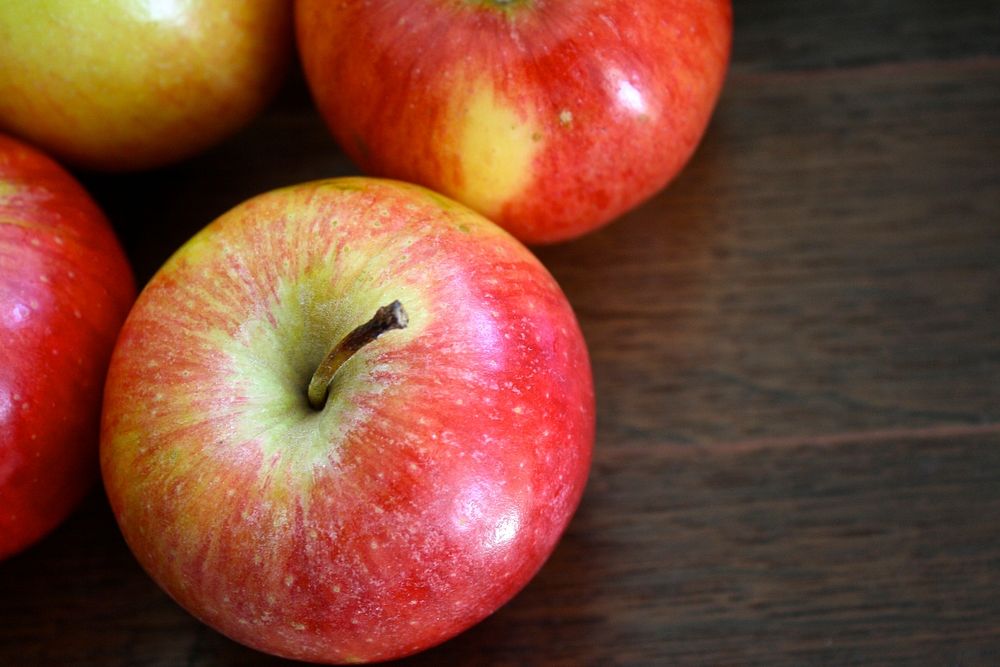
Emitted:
<point x="388" y="317"/>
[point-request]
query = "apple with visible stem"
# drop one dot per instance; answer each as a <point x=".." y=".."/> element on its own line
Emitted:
<point x="326" y="485"/>
<point x="550" y="117"/>
<point x="65" y="288"/>
<point x="134" y="84"/>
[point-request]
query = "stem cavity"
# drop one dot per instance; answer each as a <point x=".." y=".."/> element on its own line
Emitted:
<point x="386" y="318"/>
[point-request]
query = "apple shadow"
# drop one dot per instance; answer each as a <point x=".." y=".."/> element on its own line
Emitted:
<point x="86" y="598"/>
<point x="154" y="212"/>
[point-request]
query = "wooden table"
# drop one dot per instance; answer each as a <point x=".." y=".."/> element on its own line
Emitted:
<point x="796" y="349"/>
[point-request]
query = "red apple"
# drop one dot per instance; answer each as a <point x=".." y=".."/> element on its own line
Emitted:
<point x="551" y="117"/>
<point x="133" y="84"/>
<point x="65" y="288"/>
<point x="410" y="502"/>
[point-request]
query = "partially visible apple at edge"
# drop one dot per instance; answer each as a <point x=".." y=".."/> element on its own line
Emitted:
<point x="122" y="85"/>
<point x="65" y="288"/>
<point x="550" y="118"/>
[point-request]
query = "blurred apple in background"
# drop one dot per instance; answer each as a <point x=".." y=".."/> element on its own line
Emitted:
<point x="65" y="288"/>
<point x="134" y="84"/>
<point x="410" y="501"/>
<point x="551" y="117"/>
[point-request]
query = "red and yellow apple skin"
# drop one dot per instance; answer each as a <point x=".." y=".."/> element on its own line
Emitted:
<point x="550" y="117"/>
<point x="134" y="84"/>
<point x="65" y="288"/>
<point x="436" y="480"/>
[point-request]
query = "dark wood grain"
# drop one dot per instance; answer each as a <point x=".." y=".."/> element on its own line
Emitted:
<point x="830" y="260"/>
<point x="796" y="348"/>
<point x="862" y="550"/>
<point x="817" y="34"/>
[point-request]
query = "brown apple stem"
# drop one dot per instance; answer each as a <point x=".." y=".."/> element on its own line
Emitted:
<point x="386" y="318"/>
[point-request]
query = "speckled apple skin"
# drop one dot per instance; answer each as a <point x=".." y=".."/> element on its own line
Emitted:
<point x="438" y="477"/>
<point x="550" y="117"/>
<point x="65" y="288"/>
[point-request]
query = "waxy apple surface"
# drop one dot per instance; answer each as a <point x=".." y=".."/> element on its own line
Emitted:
<point x="134" y="84"/>
<point x="550" y="117"/>
<point x="434" y="482"/>
<point x="65" y="287"/>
